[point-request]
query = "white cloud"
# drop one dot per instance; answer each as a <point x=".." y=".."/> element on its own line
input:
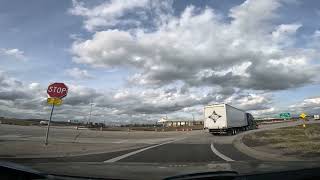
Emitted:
<point x="307" y="103"/>
<point x="253" y="15"/>
<point x="249" y="52"/>
<point x="19" y="99"/>
<point x="13" y="53"/>
<point x="284" y="32"/>
<point x="265" y="112"/>
<point x="34" y="85"/>
<point x="19" y="96"/>
<point x="241" y="54"/>
<point x="78" y="73"/>
<point x="310" y="105"/>
<point x="195" y="58"/>
<point x="114" y="12"/>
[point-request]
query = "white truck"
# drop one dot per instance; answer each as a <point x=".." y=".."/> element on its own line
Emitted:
<point x="225" y="119"/>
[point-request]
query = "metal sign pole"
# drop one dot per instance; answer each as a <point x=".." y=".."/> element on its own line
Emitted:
<point x="46" y="142"/>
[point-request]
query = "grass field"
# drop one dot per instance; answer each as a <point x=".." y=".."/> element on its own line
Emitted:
<point x="297" y="141"/>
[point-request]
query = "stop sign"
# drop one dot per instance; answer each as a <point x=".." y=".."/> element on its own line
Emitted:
<point x="57" y="90"/>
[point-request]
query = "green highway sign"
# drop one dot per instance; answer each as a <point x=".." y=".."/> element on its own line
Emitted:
<point x="285" y="115"/>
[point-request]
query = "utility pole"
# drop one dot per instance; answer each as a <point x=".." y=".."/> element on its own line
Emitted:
<point x="90" y="112"/>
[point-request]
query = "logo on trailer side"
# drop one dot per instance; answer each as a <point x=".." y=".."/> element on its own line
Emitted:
<point x="214" y="116"/>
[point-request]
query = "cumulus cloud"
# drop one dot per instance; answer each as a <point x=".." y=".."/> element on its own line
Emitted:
<point x="250" y="52"/>
<point x="80" y="95"/>
<point x="180" y="61"/>
<point x="157" y="102"/>
<point x="124" y="13"/>
<point x="13" y="53"/>
<point x="20" y="99"/>
<point x="253" y="51"/>
<point x="78" y="73"/>
<point x="310" y="105"/>
<point x="126" y="105"/>
<point x="13" y="95"/>
<point x="284" y="32"/>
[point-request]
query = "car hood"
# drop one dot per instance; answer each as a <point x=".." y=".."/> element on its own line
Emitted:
<point x="164" y="170"/>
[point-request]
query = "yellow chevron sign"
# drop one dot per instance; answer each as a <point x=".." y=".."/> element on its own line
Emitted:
<point x="303" y="115"/>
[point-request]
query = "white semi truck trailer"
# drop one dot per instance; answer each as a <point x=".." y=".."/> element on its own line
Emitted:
<point x="225" y="119"/>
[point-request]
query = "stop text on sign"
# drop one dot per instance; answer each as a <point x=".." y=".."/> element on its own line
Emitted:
<point x="57" y="90"/>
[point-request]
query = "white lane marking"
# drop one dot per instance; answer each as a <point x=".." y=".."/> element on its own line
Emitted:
<point x="121" y="141"/>
<point x="222" y="156"/>
<point x="138" y="151"/>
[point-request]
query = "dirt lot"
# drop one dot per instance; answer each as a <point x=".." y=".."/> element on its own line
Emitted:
<point x="28" y="141"/>
<point x="295" y="141"/>
<point x="157" y="129"/>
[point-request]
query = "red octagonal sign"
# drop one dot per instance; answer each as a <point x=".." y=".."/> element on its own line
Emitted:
<point x="57" y="90"/>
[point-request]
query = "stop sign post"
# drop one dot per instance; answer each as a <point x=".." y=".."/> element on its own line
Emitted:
<point x="56" y="92"/>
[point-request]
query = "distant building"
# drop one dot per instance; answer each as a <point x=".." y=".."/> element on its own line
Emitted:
<point x="178" y="123"/>
<point x="73" y="121"/>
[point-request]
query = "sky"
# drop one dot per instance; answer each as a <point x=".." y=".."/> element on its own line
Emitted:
<point x="140" y="60"/>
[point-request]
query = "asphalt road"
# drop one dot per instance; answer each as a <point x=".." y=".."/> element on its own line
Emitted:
<point x="151" y="154"/>
<point x="184" y="147"/>
<point x="197" y="146"/>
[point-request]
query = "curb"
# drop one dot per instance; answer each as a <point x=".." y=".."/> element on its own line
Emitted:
<point x="260" y="155"/>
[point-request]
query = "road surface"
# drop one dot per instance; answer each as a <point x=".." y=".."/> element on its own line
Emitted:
<point x="195" y="146"/>
<point x="178" y="147"/>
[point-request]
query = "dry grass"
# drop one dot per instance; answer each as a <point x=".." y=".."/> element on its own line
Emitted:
<point x="304" y="142"/>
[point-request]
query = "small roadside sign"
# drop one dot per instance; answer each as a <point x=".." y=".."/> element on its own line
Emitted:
<point x="303" y="115"/>
<point x="54" y="101"/>
<point x="285" y="115"/>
